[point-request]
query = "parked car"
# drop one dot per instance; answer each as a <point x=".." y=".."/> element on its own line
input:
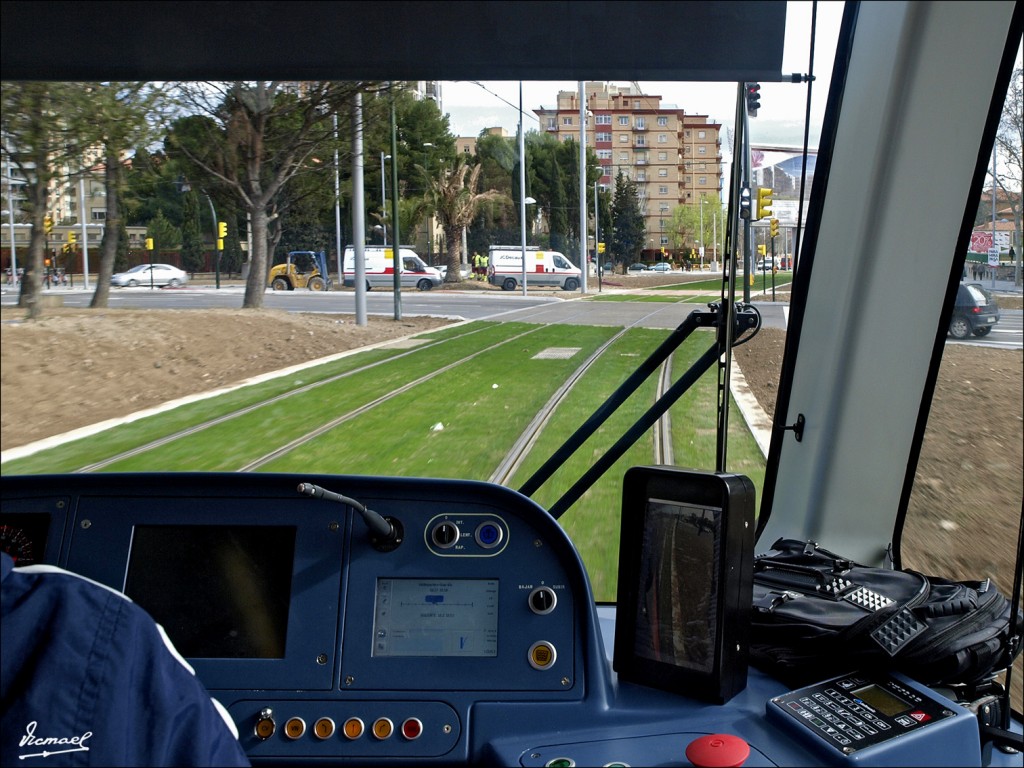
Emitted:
<point x="661" y="266"/>
<point x="765" y="265"/>
<point x="975" y="311"/>
<point x="150" y="274"/>
<point x="637" y="266"/>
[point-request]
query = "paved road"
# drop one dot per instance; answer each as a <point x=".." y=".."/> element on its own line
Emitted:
<point x="543" y="306"/>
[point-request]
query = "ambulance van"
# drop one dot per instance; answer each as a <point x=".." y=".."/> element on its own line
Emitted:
<point x="505" y="268"/>
<point x="380" y="268"/>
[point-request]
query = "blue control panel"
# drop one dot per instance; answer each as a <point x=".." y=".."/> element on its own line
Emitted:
<point x="470" y="637"/>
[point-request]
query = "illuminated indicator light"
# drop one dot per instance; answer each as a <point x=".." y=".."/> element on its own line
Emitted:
<point x="412" y="728"/>
<point x="265" y="728"/>
<point x="542" y="655"/>
<point x="295" y="727"/>
<point x="560" y="762"/>
<point x="323" y="728"/>
<point x="489" y="535"/>
<point x="353" y="728"/>
<point x="383" y="728"/>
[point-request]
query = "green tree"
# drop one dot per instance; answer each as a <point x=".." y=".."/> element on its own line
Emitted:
<point x="192" y="251"/>
<point x="628" y="231"/>
<point x="164" y="234"/>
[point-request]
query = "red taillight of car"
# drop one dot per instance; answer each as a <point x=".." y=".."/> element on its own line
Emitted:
<point x="975" y="310"/>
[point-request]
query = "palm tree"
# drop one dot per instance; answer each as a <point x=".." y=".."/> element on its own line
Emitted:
<point x="456" y="202"/>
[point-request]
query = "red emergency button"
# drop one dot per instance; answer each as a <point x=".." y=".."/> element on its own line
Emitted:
<point x="718" y="750"/>
<point x="412" y="728"/>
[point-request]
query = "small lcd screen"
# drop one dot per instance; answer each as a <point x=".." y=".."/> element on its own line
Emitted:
<point x="436" y="617"/>
<point x="218" y="591"/>
<point x="678" y="590"/>
<point x="885" y="701"/>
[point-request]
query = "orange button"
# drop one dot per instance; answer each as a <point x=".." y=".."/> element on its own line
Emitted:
<point x="323" y="728"/>
<point x="295" y="727"/>
<point x="542" y="655"/>
<point x="265" y="727"/>
<point x="353" y="728"/>
<point x="383" y="728"/>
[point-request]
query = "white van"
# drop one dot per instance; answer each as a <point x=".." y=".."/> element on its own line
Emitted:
<point x="380" y="268"/>
<point x="505" y="268"/>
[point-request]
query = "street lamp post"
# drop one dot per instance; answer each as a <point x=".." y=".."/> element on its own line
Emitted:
<point x="700" y="243"/>
<point x="384" y="195"/>
<point x="183" y="187"/>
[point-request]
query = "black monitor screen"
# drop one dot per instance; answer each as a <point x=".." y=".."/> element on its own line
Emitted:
<point x="678" y="594"/>
<point x="218" y="591"/>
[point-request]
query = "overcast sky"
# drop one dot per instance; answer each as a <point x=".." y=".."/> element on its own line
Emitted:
<point x="472" y="108"/>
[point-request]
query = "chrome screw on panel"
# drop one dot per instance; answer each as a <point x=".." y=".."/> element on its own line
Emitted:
<point x="86" y="523"/>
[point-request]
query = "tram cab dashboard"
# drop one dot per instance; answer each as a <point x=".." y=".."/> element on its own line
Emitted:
<point x="467" y="636"/>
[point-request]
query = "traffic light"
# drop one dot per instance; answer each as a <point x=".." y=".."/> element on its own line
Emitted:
<point x="149" y="243"/>
<point x="762" y="249"/>
<point x="72" y="238"/>
<point x="764" y="202"/>
<point x="745" y="203"/>
<point x="753" y="98"/>
<point x="222" y="229"/>
<point x="47" y="223"/>
<point x="773" y="228"/>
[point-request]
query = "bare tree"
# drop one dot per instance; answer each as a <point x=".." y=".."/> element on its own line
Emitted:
<point x="1010" y="149"/>
<point x="258" y="136"/>
<point x="33" y="132"/>
<point x="456" y="202"/>
<point x="123" y="115"/>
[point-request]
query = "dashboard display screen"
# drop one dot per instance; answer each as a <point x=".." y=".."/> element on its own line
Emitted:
<point x="218" y="591"/>
<point x="885" y="701"/>
<point x="678" y="595"/>
<point x="436" y="617"/>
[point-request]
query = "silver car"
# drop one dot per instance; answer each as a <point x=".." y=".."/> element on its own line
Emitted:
<point x="150" y="274"/>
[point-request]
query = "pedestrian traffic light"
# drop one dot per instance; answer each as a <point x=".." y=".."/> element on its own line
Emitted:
<point x="753" y="98"/>
<point x="773" y="227"/>
<point x="764" y="202"/>
<point x="222" y="229"/>
<point x="149" y="243"/>
<point x="47" y="223"/>
<point x="745" y="203"/>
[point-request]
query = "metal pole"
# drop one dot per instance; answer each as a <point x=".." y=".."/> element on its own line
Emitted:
<point x="216" y="233"/>
<point x="396" y="233"/>
<point x="702" y="237"/>
<point x="584" y="261"/>
<point x="10" y="214"/>
<point x="337" y="205"/>
<point x="994" y="246"/>
<point x="85" y="232"/>
<point x="522" y="184"/>
<point x="597" y="255"/>
<point x="358" y="211"/>
<point x="383" y="199"/>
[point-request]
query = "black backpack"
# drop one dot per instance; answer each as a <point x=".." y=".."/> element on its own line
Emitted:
<point x="818" y="615"/>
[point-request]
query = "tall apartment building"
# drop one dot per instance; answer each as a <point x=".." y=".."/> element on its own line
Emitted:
<point x="673" y="157"/>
